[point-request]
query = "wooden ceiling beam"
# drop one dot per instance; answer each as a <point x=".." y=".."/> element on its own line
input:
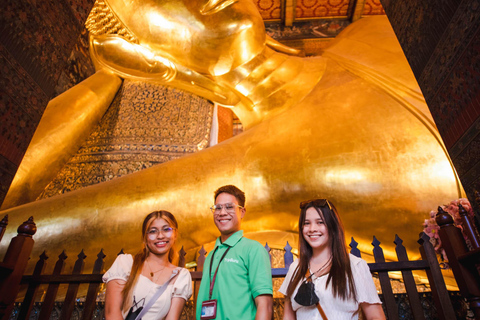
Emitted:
<point x="289" y="12"/>
<point x="357" y="11"/>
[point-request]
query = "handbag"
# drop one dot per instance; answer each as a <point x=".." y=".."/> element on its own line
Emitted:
<point x="132" y="315"/>
<point x="306" y="295"/>
<point x="140" y="312"/>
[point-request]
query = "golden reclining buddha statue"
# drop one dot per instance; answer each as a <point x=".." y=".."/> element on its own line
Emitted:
<point x="350" y="125"/>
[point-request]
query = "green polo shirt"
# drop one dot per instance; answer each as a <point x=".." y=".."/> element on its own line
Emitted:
<point x="244" y="274"/>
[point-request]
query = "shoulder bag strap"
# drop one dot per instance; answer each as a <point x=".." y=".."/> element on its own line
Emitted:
<point x="319" y="307"/>
<point x="157" y="295"/>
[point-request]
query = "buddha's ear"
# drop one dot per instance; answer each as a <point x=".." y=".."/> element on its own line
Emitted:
<point x="213" y="6"/>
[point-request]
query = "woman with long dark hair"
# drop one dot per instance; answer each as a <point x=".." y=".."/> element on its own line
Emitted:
<point x="150" y="280"/>
<point x="326" y="282"/>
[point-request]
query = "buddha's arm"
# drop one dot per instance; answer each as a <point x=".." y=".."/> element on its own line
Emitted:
<point x="134" y="61"/>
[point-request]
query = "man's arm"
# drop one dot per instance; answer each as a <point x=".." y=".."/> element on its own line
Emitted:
<point x="264" y="304"/>
<point x="204" y="286"/>
<point x="260" y="281"/>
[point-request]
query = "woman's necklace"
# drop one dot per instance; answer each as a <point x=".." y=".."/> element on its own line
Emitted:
<point x="322" y="267"/>
<point x="152" y="273"/>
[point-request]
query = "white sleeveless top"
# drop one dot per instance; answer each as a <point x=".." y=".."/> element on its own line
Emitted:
<point x="145" y="289"/>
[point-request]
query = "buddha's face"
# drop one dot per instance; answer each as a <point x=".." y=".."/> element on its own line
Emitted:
<point x="210" y="37"/>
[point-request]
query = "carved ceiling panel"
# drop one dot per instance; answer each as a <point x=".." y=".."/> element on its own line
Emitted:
<point x="278" y="10"/>
<point x="321" y="8"/>
<point x="270" y="9"/>
<point x="373" y="7"/>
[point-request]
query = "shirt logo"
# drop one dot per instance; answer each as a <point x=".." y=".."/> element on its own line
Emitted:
<point x="231" y="260"/>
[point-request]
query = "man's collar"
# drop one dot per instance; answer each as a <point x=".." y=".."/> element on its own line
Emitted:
<point x="232" y="240"/>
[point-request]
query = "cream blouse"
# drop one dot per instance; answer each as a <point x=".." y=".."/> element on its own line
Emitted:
<point x="181" y="287"/>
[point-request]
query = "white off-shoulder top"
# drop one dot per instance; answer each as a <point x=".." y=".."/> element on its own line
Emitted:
<point x="145" y="288"/>
<point x="335" y="308"/>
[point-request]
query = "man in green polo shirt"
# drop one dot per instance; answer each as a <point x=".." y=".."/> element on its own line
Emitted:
<point x="237" y="276"/>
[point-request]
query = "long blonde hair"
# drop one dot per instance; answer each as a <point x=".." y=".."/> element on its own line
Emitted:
<point x="140" y="257"/>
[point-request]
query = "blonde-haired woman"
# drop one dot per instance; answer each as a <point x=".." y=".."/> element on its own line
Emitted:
<point x="149" y="280"/>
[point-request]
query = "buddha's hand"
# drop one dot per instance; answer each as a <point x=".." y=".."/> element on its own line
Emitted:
<point x="134" y="61"/>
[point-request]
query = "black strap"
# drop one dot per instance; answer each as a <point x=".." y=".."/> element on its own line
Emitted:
<point x="212" y="281"/>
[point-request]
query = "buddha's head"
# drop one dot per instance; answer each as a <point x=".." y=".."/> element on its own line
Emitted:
<point x="210" y="37"/>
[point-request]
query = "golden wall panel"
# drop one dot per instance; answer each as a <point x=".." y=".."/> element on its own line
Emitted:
<point x="373" y="7"/>
<point x="321" y="8"/>
<point x="146" y="124"/>
<point x="269" y="9"/>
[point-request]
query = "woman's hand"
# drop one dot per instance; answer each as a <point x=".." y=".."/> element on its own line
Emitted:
<point x="114" y="300"/>
<point x="372" y="311"/>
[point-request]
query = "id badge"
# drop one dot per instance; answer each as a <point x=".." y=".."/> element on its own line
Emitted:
<point x="209" y="310"/>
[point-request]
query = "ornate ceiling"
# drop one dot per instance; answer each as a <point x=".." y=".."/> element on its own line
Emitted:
<point x="308" y="25"/>
<point x="285" y="10"/>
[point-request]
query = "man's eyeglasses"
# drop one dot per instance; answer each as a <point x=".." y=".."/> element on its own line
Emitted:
<point x="316" y="203"/>
<point x="153" y="233"/>
<point x="229" y="208"/>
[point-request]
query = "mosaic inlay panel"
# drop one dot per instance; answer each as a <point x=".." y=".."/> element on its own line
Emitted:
<point x="321" y="8"/>
<point x="315" y="29"/>
<point x="36" y="40"/>
<point x="41" y="34"/>
<point x="445" y="60"/>
<point x="21" y="106"/>
<point x="465" y="156"/>
<point x="80" y="9"/>
<point x="468" y="158"/>
<point x="419" y="26"/>
<point x="457" y="104"/>
<point x="146" y="124"/>
<point x="441" y="42"/>
<point x="79" y="65"/>
<point x="7" y="172"/>
<point x="462" y="28"/>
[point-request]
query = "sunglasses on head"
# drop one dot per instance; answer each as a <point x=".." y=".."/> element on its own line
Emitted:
<point x="316" y="203"/>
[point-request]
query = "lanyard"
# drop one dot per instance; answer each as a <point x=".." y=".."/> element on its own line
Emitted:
<point x="212" y="281"/>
